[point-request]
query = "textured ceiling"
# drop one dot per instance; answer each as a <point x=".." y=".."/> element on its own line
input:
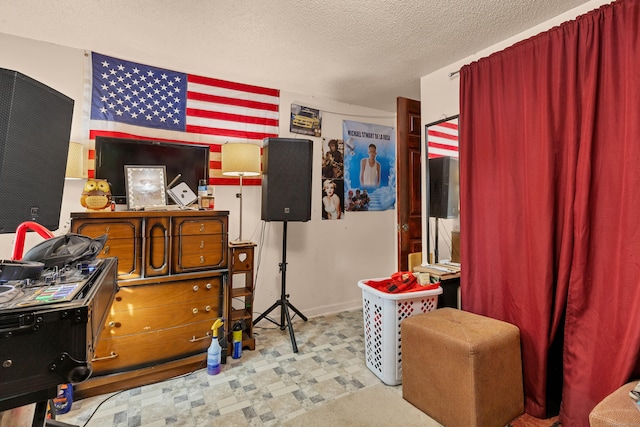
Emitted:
<point x="361" y="52"/>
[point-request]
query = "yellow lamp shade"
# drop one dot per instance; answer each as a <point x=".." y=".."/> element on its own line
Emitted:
<point x="75" y="164"/>
<point x="240" y="159"/>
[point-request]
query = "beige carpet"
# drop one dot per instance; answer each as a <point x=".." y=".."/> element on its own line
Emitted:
<point x="378" y="405"/>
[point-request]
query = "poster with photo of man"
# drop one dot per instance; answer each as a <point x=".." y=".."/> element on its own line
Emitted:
<point x="369" y="166"/>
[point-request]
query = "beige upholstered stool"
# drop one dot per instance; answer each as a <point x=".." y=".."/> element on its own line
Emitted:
<point x="617" y="409"/>
<point x="462" y="369"/>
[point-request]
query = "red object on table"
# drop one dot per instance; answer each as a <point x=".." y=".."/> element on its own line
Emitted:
<point x="21" y="232"/>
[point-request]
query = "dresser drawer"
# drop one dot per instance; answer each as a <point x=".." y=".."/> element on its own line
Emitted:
<point x="150" y="348"/>
<point x="131" y="298"/>
<point x="199" y="226"/>
<point x="140" y="320"/>
<point x="194" y="253"/>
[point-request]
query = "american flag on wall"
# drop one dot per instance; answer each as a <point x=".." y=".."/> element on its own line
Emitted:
<point x="442" y="138"/>
<point x="131" y="100"/>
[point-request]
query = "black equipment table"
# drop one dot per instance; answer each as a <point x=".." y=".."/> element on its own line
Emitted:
<point x="49" y="329"/>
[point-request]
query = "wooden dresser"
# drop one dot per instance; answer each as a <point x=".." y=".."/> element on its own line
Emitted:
<point x="172" y="273"/>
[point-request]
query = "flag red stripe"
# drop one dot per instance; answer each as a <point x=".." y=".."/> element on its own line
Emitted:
<point x="231" y="85"/>
<point x="449" y="125"/>
<point x="443" y="146"/>
<point x="228" y="132"/>
<point x="194" y="112"/>
<point x="234" y="181"/>
<point x="94" y="133"/>
<point x="442" y="135"/>
<point x="215" y="99"/>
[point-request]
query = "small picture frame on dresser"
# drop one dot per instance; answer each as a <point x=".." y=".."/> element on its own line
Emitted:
<point x="146" y="186"/>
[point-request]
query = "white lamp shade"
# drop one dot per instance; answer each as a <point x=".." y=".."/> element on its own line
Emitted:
<point x="240" y="159"/>
<point x="75" y="164"/>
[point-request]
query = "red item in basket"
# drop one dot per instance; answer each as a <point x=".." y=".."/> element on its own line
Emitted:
<point x="400" y="282"/>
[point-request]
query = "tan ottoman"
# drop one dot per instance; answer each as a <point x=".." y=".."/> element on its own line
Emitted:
<point x="462" y="369"/>
<point x="617" y="409"/>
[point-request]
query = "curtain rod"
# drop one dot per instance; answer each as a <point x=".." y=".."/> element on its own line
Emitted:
<point x="453" y="73"/>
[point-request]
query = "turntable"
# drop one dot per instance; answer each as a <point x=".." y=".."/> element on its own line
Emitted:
<point x="8" y="292"/>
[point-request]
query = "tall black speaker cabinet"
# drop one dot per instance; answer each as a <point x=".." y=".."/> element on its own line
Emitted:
<point x="286" y="179"/>
<point x="443" y="187"/>
<point x="35" y="126"/>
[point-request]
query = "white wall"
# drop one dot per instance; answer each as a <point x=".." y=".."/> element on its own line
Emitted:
<point x="440" y="93"/>
<point x="325" y="259"/>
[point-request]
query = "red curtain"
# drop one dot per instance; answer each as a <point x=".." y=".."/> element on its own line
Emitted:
<point x="550" y="204"/>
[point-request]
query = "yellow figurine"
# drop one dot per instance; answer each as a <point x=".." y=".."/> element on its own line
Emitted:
<point x="96" y="194"/>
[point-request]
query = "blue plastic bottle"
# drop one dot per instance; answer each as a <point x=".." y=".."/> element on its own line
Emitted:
<point x="62" y="402"/>
<point x="237" y="340"/>
<point x="213" y="354"/>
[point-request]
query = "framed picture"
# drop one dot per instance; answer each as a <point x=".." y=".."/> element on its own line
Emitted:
<point x="305" y="120"/>
<point x="146" y="186"/>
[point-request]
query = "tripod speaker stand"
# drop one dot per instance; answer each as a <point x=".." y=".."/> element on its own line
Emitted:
<point x="283" y="302"/>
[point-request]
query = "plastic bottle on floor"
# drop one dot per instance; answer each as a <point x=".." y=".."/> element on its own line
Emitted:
<point x="213" y="354"/>
<point x="62" y="402"/>
<point x="237" y="340"/>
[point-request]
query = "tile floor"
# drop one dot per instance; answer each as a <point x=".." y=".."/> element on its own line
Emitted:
<point x="265" y="387"/>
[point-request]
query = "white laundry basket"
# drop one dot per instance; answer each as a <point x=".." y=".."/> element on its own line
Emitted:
<point x="383" y="314"/>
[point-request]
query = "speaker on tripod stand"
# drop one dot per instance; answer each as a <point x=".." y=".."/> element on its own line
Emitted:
<point x="286" y="197"/>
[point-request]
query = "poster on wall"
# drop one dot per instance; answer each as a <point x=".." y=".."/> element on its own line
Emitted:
<point x="369" y="166"/>
<point x="332" y="179"/>
<point x="305" y="120"/>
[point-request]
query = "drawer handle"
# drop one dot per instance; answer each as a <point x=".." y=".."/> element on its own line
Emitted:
<point x="107" y="228"/>
<point x="194" y="339"/>
<point x="194" y="310"/>
<point x="106" y="250"/>
<point x="195" y="288"/>
<point x="201" y="259"/>
<point x="202" y="229"/>
<point x="207" y="308"/>
<point x="208" y="286"/>
<point x="113" y="355"/>
<point x="112" y="324"/>
<point x="201" y="244"/>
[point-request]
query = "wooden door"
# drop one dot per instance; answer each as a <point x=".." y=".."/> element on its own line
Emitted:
<point x="409" y="180"/>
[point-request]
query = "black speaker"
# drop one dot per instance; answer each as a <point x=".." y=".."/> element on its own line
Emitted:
<point x="286" y="179"/>
<point x="443" y="187"/>
<point x="35" y="125"/>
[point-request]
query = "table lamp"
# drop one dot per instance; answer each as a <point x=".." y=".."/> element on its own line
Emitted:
<point x="75" y="165"/>
<point x="240" y="159"/>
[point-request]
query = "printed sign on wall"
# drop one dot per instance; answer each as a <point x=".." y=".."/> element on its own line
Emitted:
<point x="369" y="166"/>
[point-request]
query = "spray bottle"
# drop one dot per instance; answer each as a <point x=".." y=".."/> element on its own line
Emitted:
<point x="213" y="354"/>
